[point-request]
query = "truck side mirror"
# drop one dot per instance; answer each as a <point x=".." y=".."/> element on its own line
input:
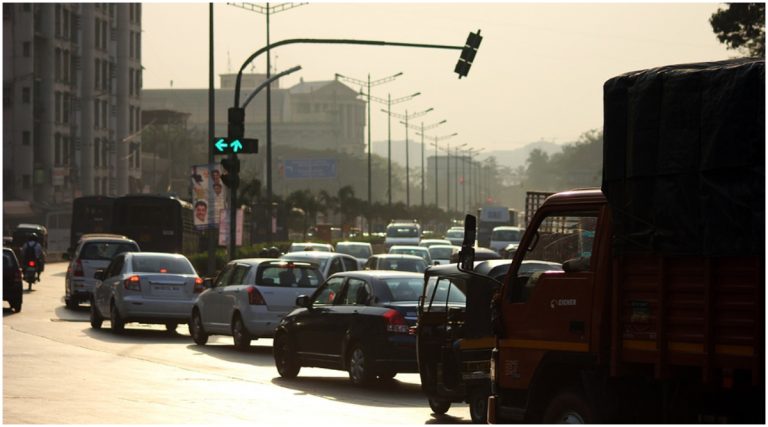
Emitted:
<point x="467" y="252"/>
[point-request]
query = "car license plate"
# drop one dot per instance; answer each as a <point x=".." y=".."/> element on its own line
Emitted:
<point x="166" y="290"/>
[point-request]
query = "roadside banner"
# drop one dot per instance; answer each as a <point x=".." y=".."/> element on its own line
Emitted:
<point x="208" y="195"/>
<point x="224" y="228"/>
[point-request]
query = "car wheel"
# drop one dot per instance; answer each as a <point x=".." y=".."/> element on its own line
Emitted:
<point x="359" y="366"/>
<point x="240" y="335"/>
<point x="118" y="324"/>
<point x="285" y="358"/>
<point x="16" y="303"/>
<point x="439" y="406"/>
<point x="196" y="329"/>
<point x="478" y="407"/>
<point x="568" y="407"/>
<point x="96" y="319"/>
<point x="171" y="327"/>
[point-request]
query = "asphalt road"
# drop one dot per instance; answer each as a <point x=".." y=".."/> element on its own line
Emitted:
<point x="57" y="370"/>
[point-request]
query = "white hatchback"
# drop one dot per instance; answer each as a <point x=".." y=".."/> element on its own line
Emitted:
<point x="250" y="297"/>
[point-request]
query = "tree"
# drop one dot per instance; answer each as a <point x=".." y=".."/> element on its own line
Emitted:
<point x="741" y="26"/>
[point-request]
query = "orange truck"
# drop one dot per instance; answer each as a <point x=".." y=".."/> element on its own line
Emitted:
<point x="659" y="313"/>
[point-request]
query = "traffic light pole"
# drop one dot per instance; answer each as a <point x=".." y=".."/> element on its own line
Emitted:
<point x="233" y="212"/>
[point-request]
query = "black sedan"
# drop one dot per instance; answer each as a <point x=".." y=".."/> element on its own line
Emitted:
<point x="12" y="287"/>
<point x="357" y="321"/>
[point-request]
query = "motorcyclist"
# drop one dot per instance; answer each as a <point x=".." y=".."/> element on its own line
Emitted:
<point x="32" y="250"/>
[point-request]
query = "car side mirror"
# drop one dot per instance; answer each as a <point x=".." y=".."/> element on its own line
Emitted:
<point x="436" y="263"/>
<point x="208" y="282"/>
<point x="303" y="301"/>
<point x="99" y="275"/>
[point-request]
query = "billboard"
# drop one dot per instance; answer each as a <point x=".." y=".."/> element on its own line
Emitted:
<point x="209" y="196"/>
<point x="309" y="168"/>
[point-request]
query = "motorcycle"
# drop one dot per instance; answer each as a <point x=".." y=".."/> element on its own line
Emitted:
<point x="30" y="273"/>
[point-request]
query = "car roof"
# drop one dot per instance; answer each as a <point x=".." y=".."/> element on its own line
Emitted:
<point x="105" y="237"/>
<point x="353" y="244"/>
<point x="313" y="254"/>
<point x="258" y="261"/>
<point x="149" y="254"/>
<point x="380" y="274"/>
<point x="397" y="256"/>
<point x="507" y="227"/>
<point x="421" y="248"/>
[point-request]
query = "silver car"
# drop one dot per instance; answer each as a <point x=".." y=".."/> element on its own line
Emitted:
<point x="328" y="262"/>
<point x="250" y="297"/>
<point x="359" y="250"/>
<point x="93" y="252"/>
<point x="146" y="287"/>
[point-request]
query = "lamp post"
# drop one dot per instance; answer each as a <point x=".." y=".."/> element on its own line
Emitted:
<point x="456" y="185"/>
<point x="437" y="138"/>
<point x="473" y="193"/>
<point x="389" y="101"/>
<point x="406" y="117"/>
<point x="368" y="95"/>
<point x="267" y="10"/>
<point x="423" y="128"/>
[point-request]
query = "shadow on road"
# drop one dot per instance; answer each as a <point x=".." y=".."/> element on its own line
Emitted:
<point x="137" y="333"/>
<point x="257" y="355"/>
<point x="378" y="393"/>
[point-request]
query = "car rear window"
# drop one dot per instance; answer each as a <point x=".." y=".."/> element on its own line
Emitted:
<point x="357" y="251"/>
<point x="289" y="275"/>
<point x="400" y="264"/>
<point x="106" y="251"/>
<point x="404" y="289"/>
<point x="402" y="231"/>
<point x="440" y="253"/>
<point x="161" y="264"/>
<point x="506" y="235"/>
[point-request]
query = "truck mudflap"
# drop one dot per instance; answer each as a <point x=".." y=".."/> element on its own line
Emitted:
<point x="491" y="409"/>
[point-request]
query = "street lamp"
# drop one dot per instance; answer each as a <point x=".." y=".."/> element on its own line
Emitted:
<point x="406" y="117"/>
<point x="423" y="128"/>
<point x="389" y="101"/>
<point x="473" y="189"/>
<point x="437" y="138"/>
<point x="368" y="95"/>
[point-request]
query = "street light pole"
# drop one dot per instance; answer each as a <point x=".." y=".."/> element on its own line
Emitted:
<point x="423" y="128"/>
<point x="437" y="205"/>
<point x="456" y="184"/>
<point x="406" y="117"/>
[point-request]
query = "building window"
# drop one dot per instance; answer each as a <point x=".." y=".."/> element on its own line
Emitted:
<point x="27" y="49"/>
<point x="65" y="66"/>
<point x="26" y="138"/>
<point x="104" y="116"/>
<point x="104" y="153"/>
<point x="104" y="75"/>
<point x="97" y="74"/>
<point x="104" y="38"/>
<point x="96" y="26"/>
<point x="65" y="108"/>
<point x="57" y="18"/>
<point x="66" y="150"/>
<point x="132" y="46"/>
<point x="130" y="82"/>
<point x="138" y="44"/>
<point x="96" y="153"/>
<point x="138" y="118"/>
<point x="66" y="24"/>
<point x="57" y="65"/>
<point x="139" y="75"/>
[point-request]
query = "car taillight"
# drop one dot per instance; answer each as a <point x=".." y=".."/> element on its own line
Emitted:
<point x="133" y="283"/>
<point x="199" y="285"/>
<point x="395" y="322"/>
<point x="79" y="269"/>
<point x="254" y="297"/>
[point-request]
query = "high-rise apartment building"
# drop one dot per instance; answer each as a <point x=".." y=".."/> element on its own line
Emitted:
<point x="72" y="80"/>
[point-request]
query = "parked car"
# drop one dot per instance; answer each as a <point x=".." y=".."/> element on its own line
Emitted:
<point x="328" y="262"/>
<point x="93" y="252"/>
<point x="455" y="236"/>
<point x="146" y="287"/>
<point x="309" y="246"/>
<point x="412" y="250"/>
<point x="249" y="297"/>
<point x="13" y="288"/>
<point x="398" y="262"/>
<point x="359" y="250"/>
<point x="503" y="236"/>
<point x="441" y="254"/>
<point x="355" y="321"/>
<point x="428" y="243"/>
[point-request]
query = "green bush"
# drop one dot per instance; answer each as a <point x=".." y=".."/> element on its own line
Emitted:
<point x="200" y="260"/>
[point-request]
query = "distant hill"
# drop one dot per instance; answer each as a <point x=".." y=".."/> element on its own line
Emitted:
<point x="510" y="158"/>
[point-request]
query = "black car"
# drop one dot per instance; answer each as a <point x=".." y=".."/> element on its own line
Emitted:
<point x="357" y="321"/>
<point x="13" y="288"/>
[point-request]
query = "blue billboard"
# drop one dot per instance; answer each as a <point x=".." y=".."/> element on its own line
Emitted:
<point x="309" y="168"/>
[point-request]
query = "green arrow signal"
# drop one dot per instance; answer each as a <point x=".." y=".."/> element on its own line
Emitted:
<point x="221" y="145"/>
<point x="236" y="146"/>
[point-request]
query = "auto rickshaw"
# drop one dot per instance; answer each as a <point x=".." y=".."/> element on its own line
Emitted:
<point x="21" y="235"/>
<point x="455" y="335"/>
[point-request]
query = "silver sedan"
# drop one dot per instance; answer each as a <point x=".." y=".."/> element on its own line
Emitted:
<point x="146" y="287"/>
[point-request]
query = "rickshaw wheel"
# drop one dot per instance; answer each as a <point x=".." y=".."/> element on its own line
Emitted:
<point x="439" y="406"/>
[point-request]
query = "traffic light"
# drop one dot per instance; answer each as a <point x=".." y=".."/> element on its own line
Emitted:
<point x="468" y="54"/>
<point x="231" y="175"/>
<point x="236" y="123"/>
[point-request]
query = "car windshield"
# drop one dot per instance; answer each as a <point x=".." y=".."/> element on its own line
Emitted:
<point x="288" y="275"/>
<point x="506" y="235"/>
<point x="357" y="251"/>
<point x="161" y="264"/>
<point x="440" y="252"/>
<point x="402" y="231"/>
<point x="105" y="250"/>
<point x="401" y="264"/>
<point x="455" y="233"/>
<point x="404" y="289"/>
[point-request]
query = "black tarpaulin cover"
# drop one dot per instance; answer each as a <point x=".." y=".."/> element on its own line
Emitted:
<point x="684" y="158"/>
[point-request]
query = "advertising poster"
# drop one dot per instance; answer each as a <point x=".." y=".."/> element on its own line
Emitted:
<point x="224" y="228"/>
<point x="208" y="195"/>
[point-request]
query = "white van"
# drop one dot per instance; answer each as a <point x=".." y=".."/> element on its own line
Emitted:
<point x="502" y="236"/>
<point x="403" y="233"/>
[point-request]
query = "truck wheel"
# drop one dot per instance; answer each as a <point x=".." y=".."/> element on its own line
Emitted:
<point x="568" y="407"/>
<point x="478" y="407"/>
<point x="439" y="406"/>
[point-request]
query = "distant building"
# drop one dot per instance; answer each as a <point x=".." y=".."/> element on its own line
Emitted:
<point x="72" y="79"/>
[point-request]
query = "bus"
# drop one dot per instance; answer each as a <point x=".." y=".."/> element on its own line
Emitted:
<point x="90" y="214"/>
<point x="158" y="223"/>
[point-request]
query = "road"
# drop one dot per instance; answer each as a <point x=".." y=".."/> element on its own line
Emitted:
<point x="57" y="370"/>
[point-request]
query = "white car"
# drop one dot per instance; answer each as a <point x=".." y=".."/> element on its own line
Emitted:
<point x="455" y="236"/>
<point x="441" y="254"/>
<point x="309" y="246"/>
<point x="428" y="243"/>
<point x="249" y="298"/>
<point x="403" y="233"/>
<point x="420" y="251"/>
<point x="93" y="252"/>
<point x="503" y="236"/>
<point x="327" y="262"/>
<point x="360" y="250"/>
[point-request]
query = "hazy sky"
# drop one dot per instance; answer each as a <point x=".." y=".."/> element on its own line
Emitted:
<point x="538" y="73"/>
